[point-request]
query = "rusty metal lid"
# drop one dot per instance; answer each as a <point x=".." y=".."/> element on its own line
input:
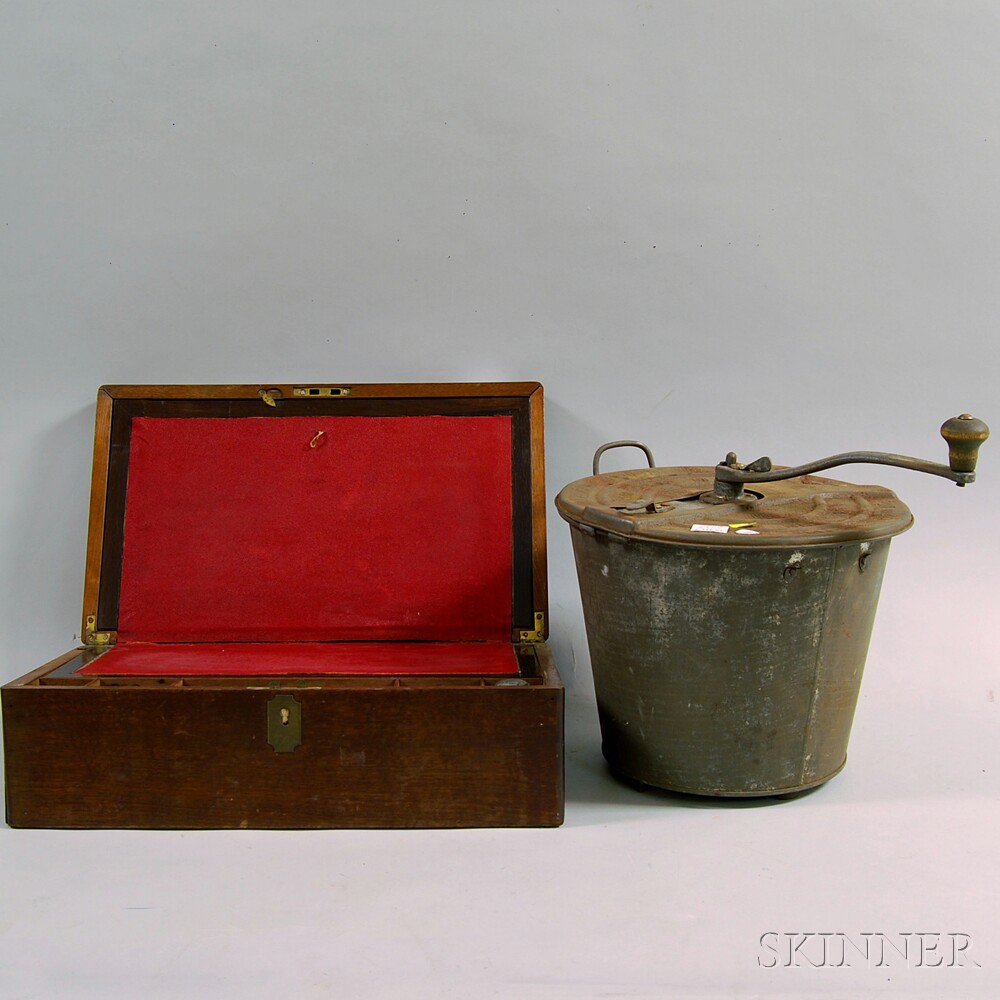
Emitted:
<point x="666" y="505"/>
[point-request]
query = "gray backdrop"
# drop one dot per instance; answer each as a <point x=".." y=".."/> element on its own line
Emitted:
<point x="768" y="226"/>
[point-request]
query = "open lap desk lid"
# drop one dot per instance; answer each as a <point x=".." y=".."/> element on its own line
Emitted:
<point x="316" y="529"/>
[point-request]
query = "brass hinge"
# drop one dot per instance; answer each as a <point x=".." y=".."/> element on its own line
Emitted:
<point x="537" y="634"/>
<point x="92" y="637"/>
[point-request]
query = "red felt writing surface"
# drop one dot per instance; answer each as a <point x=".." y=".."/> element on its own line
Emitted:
<point x="320" y="528"/>
<point x="280" y="658"/>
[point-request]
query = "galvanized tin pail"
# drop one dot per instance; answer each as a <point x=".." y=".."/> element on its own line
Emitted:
<point x="728" y="629"/>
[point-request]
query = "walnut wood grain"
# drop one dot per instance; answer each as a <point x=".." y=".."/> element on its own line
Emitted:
<point x="176" y="757"/>
<point x="538" y="546"/>
<point x="98" y="499"/>
<point x="394" y="390"/>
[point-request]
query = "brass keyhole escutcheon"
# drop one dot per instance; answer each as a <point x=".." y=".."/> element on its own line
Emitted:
<point x="284" y="723"/>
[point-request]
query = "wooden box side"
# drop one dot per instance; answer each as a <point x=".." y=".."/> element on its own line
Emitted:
<point x="379" y="755"/>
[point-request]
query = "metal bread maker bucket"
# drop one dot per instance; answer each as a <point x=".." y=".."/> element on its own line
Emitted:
<point x="729" y="611"/>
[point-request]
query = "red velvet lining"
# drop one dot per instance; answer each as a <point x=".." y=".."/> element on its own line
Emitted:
<point x="317" y="528"/>
<point x="240" y="659"/>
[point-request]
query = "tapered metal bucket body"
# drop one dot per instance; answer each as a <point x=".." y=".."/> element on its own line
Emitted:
<point x="728" y="635"/>
<point x="727" y="670"/>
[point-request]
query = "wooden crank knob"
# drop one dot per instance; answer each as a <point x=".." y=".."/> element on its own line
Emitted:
<point x="965" y="435"/>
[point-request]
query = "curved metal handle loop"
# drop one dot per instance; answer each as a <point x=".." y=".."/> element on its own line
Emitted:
<point x="621" y="444"/>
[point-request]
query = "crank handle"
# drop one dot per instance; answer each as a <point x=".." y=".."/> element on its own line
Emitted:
<point x="965" y="435"/>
